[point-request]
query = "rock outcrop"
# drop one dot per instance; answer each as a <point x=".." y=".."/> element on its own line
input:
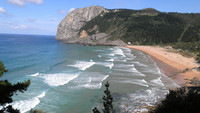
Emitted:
<point x="69" y="27"/>
<point x="96" y="39"/>
<point x="68" y="30"/>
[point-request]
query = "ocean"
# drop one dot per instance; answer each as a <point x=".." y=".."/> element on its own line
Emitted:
<point x="70" y="78"/>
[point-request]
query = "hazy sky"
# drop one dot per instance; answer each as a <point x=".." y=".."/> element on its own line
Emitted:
<point x="43" y="16"/>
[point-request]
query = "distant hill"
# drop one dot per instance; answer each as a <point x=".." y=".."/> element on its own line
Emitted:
<point x="147" y="26"/>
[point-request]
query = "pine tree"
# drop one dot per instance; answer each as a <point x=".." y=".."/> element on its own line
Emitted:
<point x="7" y="90"/>
<point x="2" y="69"/>
<point x="107" y="101"/>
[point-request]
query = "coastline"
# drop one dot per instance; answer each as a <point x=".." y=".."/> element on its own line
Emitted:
<point x="173" y="65"/>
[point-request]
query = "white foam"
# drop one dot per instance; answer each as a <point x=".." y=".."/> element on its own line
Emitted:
<point x="126" y="49"/>
<point x="110" y="49"/>
<point x="104" y="78"/>
<point x="138" y="72"/>
<point x="110" y="65"/>
<point x="107" y="64"/>
<point x="126" y="70"/>
<point x="95" y="82"/>
<point x="83" y="65"/>
<point x="111" y="54"/>
<point x="99" y="50"/>
<point x="58" y="79"/>
<point x="118" y="51"/>
<point x="157" y="82"/>
<point x="137" y="101"/>
<point x="141" y="110"/>
<point x="121" y="60"/>
<point x="158" y="69"/>
<point x="93" y="86"/>
<point x="41" y="95"/>
<point x="124" y="66"/>
<point x="130" y="55"/>
<point x="131" y="70"/>
<point x="140" y="64"/>
<point x="34" y="75"/>
<point x="146" y="59"/>
<point x="99" y="56"/>
<point x="26" y="105"/>
<point x="110" y="60"/>
<point x="140" y="82"/>
<point x="90" y="79"/>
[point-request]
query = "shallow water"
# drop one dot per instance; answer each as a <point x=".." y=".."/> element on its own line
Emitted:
<point x="69" y="77"/>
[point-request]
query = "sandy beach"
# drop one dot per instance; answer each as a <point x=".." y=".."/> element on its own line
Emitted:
<point x="179" y="68"/>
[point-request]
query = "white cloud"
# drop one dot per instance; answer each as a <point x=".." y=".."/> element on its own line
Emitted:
<point x="31" y="20"/>
<point x="2" y="10"/>
<point x="23" y="2"/>
<point x="61" y="11"/>
<point x="19" y="26"/>
<point x="71" y="9"/>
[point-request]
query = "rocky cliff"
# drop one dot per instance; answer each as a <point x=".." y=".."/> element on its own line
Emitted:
<point x="69" y="29"/>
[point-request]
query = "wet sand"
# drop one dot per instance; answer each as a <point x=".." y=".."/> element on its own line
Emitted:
<point x="179" y="68"/>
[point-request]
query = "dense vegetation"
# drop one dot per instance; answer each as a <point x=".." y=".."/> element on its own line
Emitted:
<point x="182" y="100"/>
<point x="7" y="90"/>
<point x="148" y="27"/>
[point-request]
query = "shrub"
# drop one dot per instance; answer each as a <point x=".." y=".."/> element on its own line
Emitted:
<point x="182" y="100"/>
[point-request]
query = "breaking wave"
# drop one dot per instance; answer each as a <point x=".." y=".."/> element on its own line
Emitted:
<point x="58" y="79"/>
<point x="82" y="65"/>
<point x="26" y="105"/>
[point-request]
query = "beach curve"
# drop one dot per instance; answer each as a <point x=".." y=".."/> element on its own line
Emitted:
<point x="180" y="69"/>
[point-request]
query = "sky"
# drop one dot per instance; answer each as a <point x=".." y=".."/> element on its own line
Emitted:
<point x="43" y="16"/>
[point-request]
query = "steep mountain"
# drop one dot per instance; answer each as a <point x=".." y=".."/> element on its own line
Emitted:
<point x="69" y="27"/>
<point x="146" y="26"/>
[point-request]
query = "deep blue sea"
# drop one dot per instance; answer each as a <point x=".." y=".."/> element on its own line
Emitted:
<point x="69" y="78"/>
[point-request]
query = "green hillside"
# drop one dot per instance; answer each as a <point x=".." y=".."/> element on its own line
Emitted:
<point x="148" y="27"/>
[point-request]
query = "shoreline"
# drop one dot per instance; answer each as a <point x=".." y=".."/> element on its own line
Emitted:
<point x="173" y="65"/>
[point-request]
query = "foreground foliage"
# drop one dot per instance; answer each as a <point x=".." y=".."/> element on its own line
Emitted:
<point x="7" y="90"/>
<point x="182" y="100"/>
<point x="107" y="101"/>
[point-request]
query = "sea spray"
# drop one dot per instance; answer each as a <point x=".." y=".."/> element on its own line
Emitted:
<point x="95" y="83"/>
<point x="34" y="75"/>
<point x="58" y="79"/>
<point x="82" y="65"/>
<point x="26" y="105"/>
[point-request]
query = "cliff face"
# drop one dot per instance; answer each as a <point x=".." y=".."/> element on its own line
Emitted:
<point x="69" y="29"/>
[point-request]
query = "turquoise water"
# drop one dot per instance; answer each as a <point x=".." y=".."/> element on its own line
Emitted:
<point x="69" y="78"/>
